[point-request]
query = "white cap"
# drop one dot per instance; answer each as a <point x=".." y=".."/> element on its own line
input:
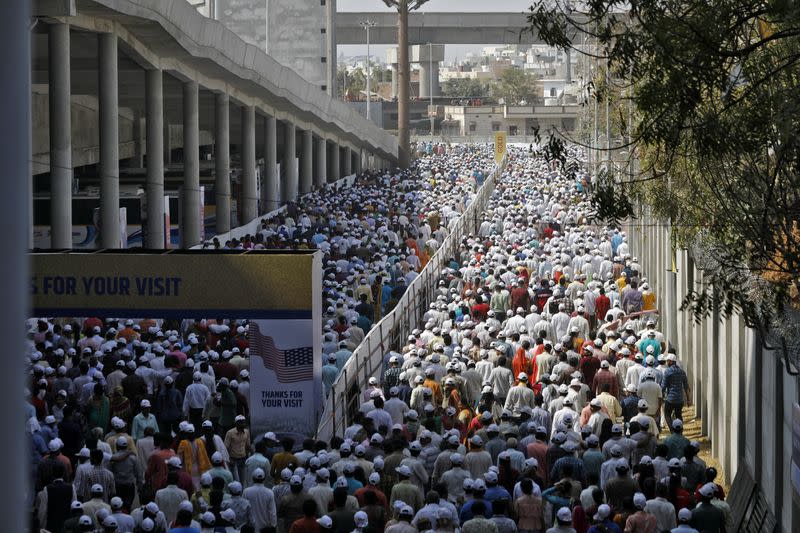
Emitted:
<point x="361" y="519"/>
<point x="684" y="515"/>
<point x="564" y="515"/>
<point x="228" y="515"/>
<point x="325" y="522"/>
<point x="639" y="500"/>
<point x="708" y="490"/>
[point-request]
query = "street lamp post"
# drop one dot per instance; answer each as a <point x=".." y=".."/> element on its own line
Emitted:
<point x="367" y="24"/>
<point x="430" y="84"/>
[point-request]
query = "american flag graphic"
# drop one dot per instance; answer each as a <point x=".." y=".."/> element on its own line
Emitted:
<point x="290" y="366"/>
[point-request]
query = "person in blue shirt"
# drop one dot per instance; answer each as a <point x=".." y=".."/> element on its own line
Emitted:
<point x="493" y="490"/>
<point x="329" y="373"/>
<point x="478" y="495"/>
<point x="651" y="341"/>
<point x="558" y="495"/>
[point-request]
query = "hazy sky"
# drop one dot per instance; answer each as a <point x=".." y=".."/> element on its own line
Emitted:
<point x="451" y="51"/>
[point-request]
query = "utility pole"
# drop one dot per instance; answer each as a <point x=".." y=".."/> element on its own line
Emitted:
<point x="404" y="140"/>
<point x="367" y="24"/>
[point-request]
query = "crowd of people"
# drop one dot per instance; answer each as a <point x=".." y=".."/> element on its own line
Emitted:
<point x="537" y="395"/>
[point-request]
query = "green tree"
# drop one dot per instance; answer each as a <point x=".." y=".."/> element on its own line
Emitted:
<point x="516" y="86"/>
<point x="717" y="115"/>
<point x="465" y="88"/>
<point x="351" y="83"/>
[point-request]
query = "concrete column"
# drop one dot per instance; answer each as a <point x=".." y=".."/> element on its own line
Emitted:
<point x="222" y="161"/>
<point x="288" y="166"/>
<point x="321" y="163"/>
<point x="336" y="167"/>
<point x="60" y="138"/>
<point x="271" y="161"/>
<point x="307" y="162"/>
<point x="138" y="153"/>
<point x="348" y="161"/>
<point x="167" y="143"/>
<point x="15" y="152"/>
<point x="191" y="232"/>
<point x="249" y="198"/>
<point x="109" y="141"/>
<point x="428" y="70"/>
<point x="394" y="80"/>
<point x="154" y="189"/>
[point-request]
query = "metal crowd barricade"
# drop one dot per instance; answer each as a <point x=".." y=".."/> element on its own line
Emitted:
<point x="391" y="331"/>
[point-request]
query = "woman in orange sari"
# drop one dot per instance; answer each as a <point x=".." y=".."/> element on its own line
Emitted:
<point x="522" y="361"/>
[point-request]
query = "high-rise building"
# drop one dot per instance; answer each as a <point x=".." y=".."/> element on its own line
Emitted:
<point x="297" y="33"/>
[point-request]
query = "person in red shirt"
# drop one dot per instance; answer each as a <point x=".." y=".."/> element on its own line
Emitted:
<point x="520" y="297"/>
<point x="307" y="524"/>
<point x="601" y="305"/>
<point x="480" y="309"/>
<point x="372" y="486"/>
<point x="589" y="365"/>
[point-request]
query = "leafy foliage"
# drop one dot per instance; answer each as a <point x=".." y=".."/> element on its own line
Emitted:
<point x="715" y="87"/>
<point x="516" y="86"/>
<point x="465" y="88"/>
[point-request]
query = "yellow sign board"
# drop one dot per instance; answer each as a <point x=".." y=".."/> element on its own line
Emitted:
<point x="255" y="284"/>
<point x="499" y="146"/>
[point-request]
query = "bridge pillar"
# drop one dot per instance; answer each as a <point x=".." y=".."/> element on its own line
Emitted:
<point x="270" y="192"/>
<point x="289" y="183"/>
<point x="154" y="189"/>
<point x="249" y="199"/>
<point x="191" y="223"/>
<point x="60" y="137"/>
<point x="222" y="161"/>
<point x="336" y="167"/>
<point x="108" y="83"/>
<point x="429" y="79"/>
<point x="321" y="163"/>
<point x="306" y="161"/>
<point x="428" y="57"/>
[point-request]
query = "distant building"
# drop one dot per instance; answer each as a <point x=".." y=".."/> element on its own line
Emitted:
<point x="483" y="121"/>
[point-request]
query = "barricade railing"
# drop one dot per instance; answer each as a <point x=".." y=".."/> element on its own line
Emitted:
<point x="252" y="227"/>
<point x="390" y="332"/>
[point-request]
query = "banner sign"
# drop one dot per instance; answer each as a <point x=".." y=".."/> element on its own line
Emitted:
<point x="499" y="146"/>
<point x="279" y="293"/>
<point x="173" y="285"/>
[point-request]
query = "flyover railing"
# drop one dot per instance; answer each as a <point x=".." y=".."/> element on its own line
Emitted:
<point x="391" y="331"/>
